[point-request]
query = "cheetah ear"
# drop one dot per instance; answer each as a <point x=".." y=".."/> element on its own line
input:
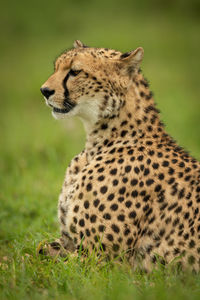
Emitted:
<point x="131" y="60"/>
<point x="79" y="44"/>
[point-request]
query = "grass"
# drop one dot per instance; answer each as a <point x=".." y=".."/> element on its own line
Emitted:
<point x="35" y="149"/>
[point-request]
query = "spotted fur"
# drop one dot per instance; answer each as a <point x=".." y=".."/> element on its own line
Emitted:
<point x="132" y="190"/>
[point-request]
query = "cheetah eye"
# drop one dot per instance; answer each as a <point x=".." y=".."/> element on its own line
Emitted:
<point x="74" y="72"/>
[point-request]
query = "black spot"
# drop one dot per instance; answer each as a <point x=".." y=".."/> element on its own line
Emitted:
<point x="128" y="169"/>
<point x="96" y="202"/>
<point x="100" y="170"/>
<point x="146" y="171"/>
<point x="110" y="197"/>
<point x="99" y="158"/>
<point x="140" y="157"/>
<point x="158" y="188"/>
<point x="146" y="207"/>
<point x="110" y="144"/>
<point x="186" y="236"/>
<point x="114" y="207"/>
<point x="93" y="230"/>
<point x="120" y="161"/>
<point x="101" y="207"/>
<point x="171" y="180"/>
<point x="172" y="206"/>
<point x="87" y="231"/>
<point x="155" y="165"/>
<point x="165" y="163"/>
<point x="191" y="259"/>
<point x="171" y="171"/>
<point x="104" y="126"/>
<point x="133" y="133"/>
<point x="105" y="142"/>
<point x="181" y="193"/>
<point x="138" y="205"/>
<point x="128" y="204"/>
<point x="102" y="228"/>
<point x="122" y="190"/>
<point x="82" y="222"/>
<point x="186" y="215"/>
<point x="142" y="94"/>
<point x="134" y="193"/>
<point x="136" y="170"/>
<point x="149" y="182"/>
<point x="76" y="208"/>
<point x="120" y="150"/>
<point x="120" y="199"/>
<point x="148" y="161"/>
<point x="182" y="164"/>
<point x="89" y="187"/>
<point x="75" y="220"/>
<point x="103" y="189"/>
<point x="112" y="151"/>
<point x="115" y="247"/>
<point x="126" y="231"/>
<point x="113" y="171"/>
<point x="107" y="216"/>
<point x="134" y="182"/>
<point x="125" y="179"/>
<point x="110" y="237"/>
<point x="93" y="218"/>
<point x="178" y="210"/>
<point x="80" y="196"/>
<point x="151" y="152"/>
<point x="162" y="232"/>
<point x="149" y="143"/>
<point x="115" y="228"/>
<point x="130" y="152"/>
<point x="121" y="218"/>
<point x="141" y="167"/>
<point x="161" y="176"/>
<point x="175" y="222"/>
<point x="180" y="174"/>
<point x="132" y="214"/>
<point x="96" y="239"/>
<point x="171" y="242"/>
<point x="115" y="182"/>
<point x="191" y="244"/>
<point x="149" y="212"/>
<point x="72" y="228"/>
<point x="101" y="178"/>
<point x="146" y="198"/>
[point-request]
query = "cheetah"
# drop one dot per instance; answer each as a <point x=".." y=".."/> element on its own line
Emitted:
<point x="132" y="190"/>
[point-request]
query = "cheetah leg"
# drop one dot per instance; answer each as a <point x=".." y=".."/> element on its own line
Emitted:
<point x="60" y="247"/>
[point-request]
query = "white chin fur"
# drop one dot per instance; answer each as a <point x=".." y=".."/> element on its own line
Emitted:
<point x="87" y="110"/>
<point x="59" y="116"/>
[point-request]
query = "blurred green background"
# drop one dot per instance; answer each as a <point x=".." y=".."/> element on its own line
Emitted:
<point x="34" y="148"/>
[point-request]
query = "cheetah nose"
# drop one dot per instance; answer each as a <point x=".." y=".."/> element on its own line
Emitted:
<point x="47" y="92"/>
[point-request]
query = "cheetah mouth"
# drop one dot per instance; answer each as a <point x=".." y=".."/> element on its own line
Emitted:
<point x="61" y="110"/>
<point x="68" y="106"/>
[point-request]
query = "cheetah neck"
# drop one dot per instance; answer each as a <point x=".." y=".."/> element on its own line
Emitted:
<point x="138" y="120"/>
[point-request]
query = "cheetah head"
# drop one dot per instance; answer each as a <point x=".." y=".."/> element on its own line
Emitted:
<point x="90" y="82"/>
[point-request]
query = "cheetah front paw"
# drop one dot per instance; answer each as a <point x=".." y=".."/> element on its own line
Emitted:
<point x="53" y="249"/>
